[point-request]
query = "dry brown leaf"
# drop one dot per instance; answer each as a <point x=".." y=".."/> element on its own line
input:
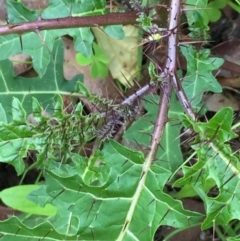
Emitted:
<point x="33" y="4"/>
<point x="228" y="50"/>
<point x="21" y="63"/>
<point x="217" y="101"/>
<point x="123" y="54"/>
<point x="233" y="82"/>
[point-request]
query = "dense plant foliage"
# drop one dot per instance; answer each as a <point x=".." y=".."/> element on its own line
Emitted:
<point x="120" y="191"/>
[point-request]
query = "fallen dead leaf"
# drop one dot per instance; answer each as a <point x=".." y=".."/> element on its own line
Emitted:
<point x="123" y="54"/>
<point x="217" y="101"/>
<point x="21" y="63"/>
<point x="233" y="82"/>
<point x="229" y="51"/>
<point x="33" y="4"/>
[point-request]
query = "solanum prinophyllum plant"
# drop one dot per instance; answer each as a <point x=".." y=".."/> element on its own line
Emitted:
<point x="120" y="191"/>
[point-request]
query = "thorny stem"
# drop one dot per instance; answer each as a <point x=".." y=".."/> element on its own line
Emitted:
<point x="169" y="80"/>
<point x="170" y="68"/>
<point x="167" y="76"/>
<point x="69" y="22"/>
<point x="111" y="19"/>
<point x="166" y="89"/>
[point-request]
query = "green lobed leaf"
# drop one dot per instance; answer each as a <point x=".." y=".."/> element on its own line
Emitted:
<point x="193" y="15"/>
<point x="92" y="7"/>
<point x="218" y="127"/>
<point x="54" y="137"/>
<point x="66" y="8"/>
<point x="57" y="9"/>
<point x="117" y="199"/>
<point x="26" y="88"/>
<point x="39" y="45"/>
<point x="17" y="12"/>
<point x="83" y="40"/>
<point x="13" y="227"/>
<point x="217" y="163"/>
<point x="197" y="16"/>
<point x="199" y="77"/>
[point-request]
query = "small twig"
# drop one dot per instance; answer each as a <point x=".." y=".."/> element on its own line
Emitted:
<point x="182" y="96"/>
<point x="232" y="89"/>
